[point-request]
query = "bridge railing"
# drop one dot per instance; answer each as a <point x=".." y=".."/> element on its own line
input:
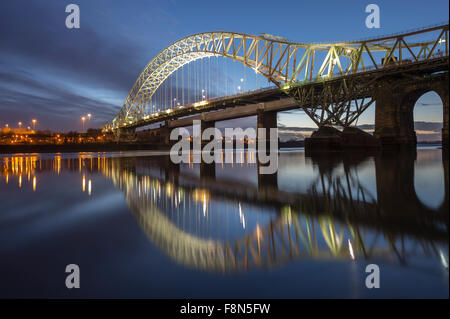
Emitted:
<point x="388" y="35"/>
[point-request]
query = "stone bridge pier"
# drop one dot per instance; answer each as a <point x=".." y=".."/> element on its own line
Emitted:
<point x="394" y="120"/>
<point x="266" y="120"/>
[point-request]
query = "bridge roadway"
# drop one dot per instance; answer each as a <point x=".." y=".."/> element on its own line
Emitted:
<point x="286" y="238"/>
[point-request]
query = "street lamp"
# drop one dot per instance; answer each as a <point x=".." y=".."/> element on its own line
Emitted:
<point x="83" y="119"/>
<point x="20" y="124"/>
<point x="89" y="115"/>
<point x="34" y="124"/>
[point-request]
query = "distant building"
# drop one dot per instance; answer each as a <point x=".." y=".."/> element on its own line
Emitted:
<point x="19" y="131"/>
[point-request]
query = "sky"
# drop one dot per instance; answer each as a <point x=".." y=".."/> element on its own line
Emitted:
<point x="56" y="75"/>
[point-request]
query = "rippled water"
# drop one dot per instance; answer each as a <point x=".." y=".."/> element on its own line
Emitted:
<point x="139" y="226"/>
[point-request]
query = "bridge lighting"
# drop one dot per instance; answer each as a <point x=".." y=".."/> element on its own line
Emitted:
<point x="350" y="249"/>
<point x="201" y="103"/>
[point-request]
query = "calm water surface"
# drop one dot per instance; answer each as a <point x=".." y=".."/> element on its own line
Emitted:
<point x="139" y="226"/>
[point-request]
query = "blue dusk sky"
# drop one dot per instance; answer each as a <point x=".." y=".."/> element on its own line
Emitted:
<point x="57" y="75"/>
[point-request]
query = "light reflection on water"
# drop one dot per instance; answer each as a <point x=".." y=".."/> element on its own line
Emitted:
<point x="133" y="219"/>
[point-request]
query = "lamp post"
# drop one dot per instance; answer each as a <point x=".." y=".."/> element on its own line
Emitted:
<point x="20" y="124"/>
<point x="34" y="124"/>
<point x="89" y="115"/>
<point x="83" y="119"/>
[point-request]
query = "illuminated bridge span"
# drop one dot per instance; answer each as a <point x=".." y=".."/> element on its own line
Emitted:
<point x="333" y="83"/>
<point x="293" y="234"/>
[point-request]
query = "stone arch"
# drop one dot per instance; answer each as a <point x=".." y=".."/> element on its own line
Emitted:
<point x="406" y="111"/>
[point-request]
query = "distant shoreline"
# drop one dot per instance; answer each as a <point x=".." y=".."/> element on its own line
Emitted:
<point x="114" y="147"/>
<point x="71" y="148"/>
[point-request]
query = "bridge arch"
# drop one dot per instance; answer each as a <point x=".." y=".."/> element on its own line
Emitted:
<point x="409" y="103"/>
<point x="243" y="48"/>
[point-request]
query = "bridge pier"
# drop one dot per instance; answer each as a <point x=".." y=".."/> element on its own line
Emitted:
<point x="203" y="126"/>
<point x="207" y="170"/>
<point x="394" y="120"/>
<point x="328" y="138"/>
<point x="266" y="120"/>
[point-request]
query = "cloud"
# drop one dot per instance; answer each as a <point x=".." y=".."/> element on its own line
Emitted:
<point x="58" y="108"/>
<point x="59" y="73"/>
<point x="37" y="35"/>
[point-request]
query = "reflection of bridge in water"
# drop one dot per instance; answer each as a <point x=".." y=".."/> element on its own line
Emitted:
<point x="336" y="218"/>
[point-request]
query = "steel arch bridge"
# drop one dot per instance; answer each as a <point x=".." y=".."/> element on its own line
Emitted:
<point x="291" y="66"/>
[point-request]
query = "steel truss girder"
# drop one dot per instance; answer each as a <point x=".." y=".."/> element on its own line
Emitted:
<point x="337" y="103"/>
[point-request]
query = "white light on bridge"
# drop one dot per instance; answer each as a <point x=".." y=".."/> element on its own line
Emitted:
<point x="350" y="249"/>
<point x="201" y="103"/>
